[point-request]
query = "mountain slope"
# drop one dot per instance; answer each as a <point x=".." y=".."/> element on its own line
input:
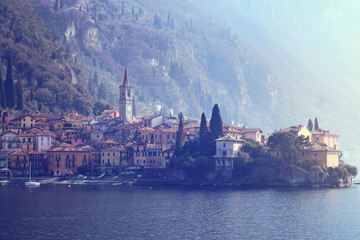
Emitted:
<point x="266" y="70"/>
<point x="39" y="61"/>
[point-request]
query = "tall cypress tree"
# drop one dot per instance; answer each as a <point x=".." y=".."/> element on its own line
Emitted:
<point x="316" y="125"/>
<point x="2" y="92"/>
<point x="19" y="96"/>
<point x="168" y="19"/>
<point x="95" y="80"/>
<point x="310" y="125"/>
<point x="56" y="5"/>
<point x="204" y="138"/>
<point x="216" y="124"/>
<point x="179" y="136"/>
<point x="9" y="85"/>
<point x="102" y="91"/>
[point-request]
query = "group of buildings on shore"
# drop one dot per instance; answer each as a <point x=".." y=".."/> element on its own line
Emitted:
<point x="116" y="141"/>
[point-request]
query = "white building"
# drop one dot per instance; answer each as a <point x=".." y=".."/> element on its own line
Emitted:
<point x="227" y="149"/>
<point x="126" y="99"/>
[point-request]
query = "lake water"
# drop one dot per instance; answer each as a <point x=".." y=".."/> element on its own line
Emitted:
<point x="119" y="212"/>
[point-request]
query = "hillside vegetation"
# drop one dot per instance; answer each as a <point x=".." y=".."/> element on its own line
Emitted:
<point x="177" y="56"/>
<point x="40" y="62"/>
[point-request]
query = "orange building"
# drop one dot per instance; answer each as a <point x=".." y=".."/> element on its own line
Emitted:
<point x="66" y="158"/>
<point x="19" y="161"/>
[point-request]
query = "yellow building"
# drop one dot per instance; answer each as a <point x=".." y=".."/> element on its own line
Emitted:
<point x="27" y="122"/>
<point x="116" y="156"/>
<point x="298" y="130"/>
<point x="322" y="154"/>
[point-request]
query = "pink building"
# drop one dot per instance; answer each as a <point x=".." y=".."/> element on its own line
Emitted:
<point x="252" y="133"/>
<point x="164" y="136"/>
<point x="331" y="140"/>
<point x="146" y="134"/>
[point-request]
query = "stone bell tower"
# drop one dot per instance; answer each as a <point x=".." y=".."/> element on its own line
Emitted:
<point x="125" y="100"/>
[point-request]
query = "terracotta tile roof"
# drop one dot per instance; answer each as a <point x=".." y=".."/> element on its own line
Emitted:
<point x="117" y="148"/>
<point x="168" y="130"/>
<point x="320" y="147"/>
<point x="322" y="132"/>
<point x="149" y="129"/>
<point x="35" y="152"/>
<point x="18" y="153"/>
<point x="246" y="130"/>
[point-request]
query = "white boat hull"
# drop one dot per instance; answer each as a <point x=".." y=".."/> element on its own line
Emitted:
<point x="32" y="184"/>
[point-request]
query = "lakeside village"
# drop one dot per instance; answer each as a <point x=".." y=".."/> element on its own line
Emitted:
<point x="166" y="149"/>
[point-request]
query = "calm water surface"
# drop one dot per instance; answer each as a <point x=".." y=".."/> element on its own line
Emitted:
<point x="118" y="212"/>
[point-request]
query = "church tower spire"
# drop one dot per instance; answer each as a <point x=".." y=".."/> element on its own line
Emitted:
<point x="126" y="99"/>
<point x="126" y="80"/>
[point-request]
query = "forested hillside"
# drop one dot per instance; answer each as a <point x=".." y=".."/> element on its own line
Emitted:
<point x="48" y="76"/>
<point x="177" y="56"/>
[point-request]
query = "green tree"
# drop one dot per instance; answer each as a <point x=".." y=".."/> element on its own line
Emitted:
<point x="241" y="165"/>
<point x="9" y="85"/>
<point x="179" y="136"/>
<point x="168" y="19"/>
<point x="352" y="170"/>
<point x="310" y="125"/>
<point x="316" y="125"/>
<point x="102" y="91"/>
<point x="284" y="142"/>
<point x="191" y="148"/>
<point x="95" y="80"/>
<point x="204" y="137"/>
<point x="2" y="92"/>
<point x="172" y="23"/>
<point x="19" y="96"/>
<point x="216" y="124"/>
<point x="99" y="107"/>
<point x="302" y="142"/>
<point x="157" y="21"/>
<point x="253" y="148"/>
<point x="56" y="5"/>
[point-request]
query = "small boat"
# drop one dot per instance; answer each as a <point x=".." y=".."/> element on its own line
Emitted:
<point x="31" y="183"/>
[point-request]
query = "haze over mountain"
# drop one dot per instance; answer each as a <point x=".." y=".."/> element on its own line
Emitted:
<point x="311" y="49"/>
<point x="269" y="64"/>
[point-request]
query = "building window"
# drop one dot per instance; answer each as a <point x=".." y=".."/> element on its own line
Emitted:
<point x="224" y="145"/>
<point x="316" y="154"/>
<point x="303" y="154"/>
<point x="317" y="139"/>
<point x="224" y="153"/>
